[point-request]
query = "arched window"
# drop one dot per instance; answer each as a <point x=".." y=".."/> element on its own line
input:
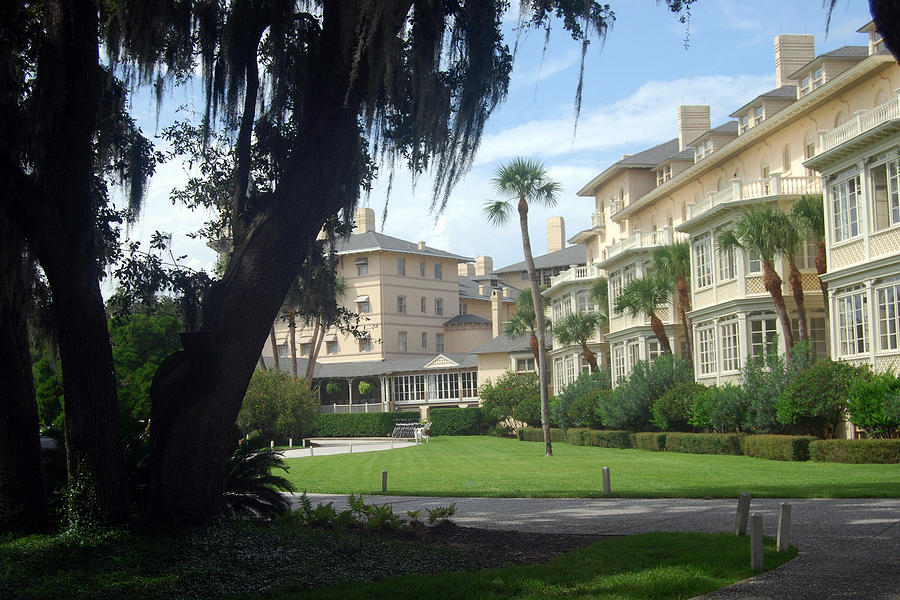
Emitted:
<point x="653" y="223"/>
<point x="840" y="119"/>
<point x="720" y="184"/>
<point x="786" y="159"/>
<point x="880" y="97"/>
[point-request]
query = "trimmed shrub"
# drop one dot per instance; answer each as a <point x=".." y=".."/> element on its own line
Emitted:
<point x="536" y="434"/>
<point x="628" y="406"/>
<point x="704" y="443"/>
<point x="874" y="404"/>
<point x="655" y="442"/>
<point x="672" y="410"/>
<point x="501" y="399"/>
<point x="577" y="404"/>
<point x="459" y="421"/>
<point x="816" y="401"/>
<point x="361" y="424"/>
<point x="777" y="447"/>
<point x="855" y="451"/>
<point x="722" y="409"/>
<point x="576" y="435"/>
<point x="604" y="438"/>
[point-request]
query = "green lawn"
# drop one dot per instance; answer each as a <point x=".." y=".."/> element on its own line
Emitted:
<point x="489" y="466"/>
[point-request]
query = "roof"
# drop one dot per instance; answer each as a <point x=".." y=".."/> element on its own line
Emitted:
<point x="468" y="288"/>
<point x="686" y="154"/>
<point x="375" y="368"/>
<point x="372" y="241"/>
<point x="570" y="255"/>
<point x="727" y="128"/>
<point x="785" y="92"/>
<point x="856" y="53"/>
<point x="466" y="319"/>
<point x="507" y="343"/>
<point x="647" y="159"/>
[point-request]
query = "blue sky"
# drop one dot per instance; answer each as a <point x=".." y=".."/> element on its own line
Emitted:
<point x="649" y="64"/>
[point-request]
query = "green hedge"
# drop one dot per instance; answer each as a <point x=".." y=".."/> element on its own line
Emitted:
<point x="458" y="421"/>
<point x="855" y="451"/>
<point x="704" y="443"/>
<point x="536" y="434"/>
<point x="361" y="424"/>
<point x="650" y="441"/>
<point x="608" y="438"/>
<point x="777" y="447"/>
<point x="576" y="435"/>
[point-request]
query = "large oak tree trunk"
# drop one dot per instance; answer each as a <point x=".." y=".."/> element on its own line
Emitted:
<point x="772" y="283"/>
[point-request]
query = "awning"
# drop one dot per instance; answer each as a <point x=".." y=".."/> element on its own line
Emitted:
<point x="305" y="339"/>
<point x="331" y="337"/>
<point x="364" y="298"/>
<point x="361" y="261"/>
<point x="281" y="339"/>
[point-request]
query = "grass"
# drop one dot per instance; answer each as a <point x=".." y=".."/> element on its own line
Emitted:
<point x="495" y="467"/>
<point x="653" y="565"/>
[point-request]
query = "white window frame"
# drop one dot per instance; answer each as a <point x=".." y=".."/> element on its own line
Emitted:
<point x="731" y="346"/>
<point x="706" y="350"/>
<point x="845" y="206"/>
<point x="438" y="271"/>
<point x="888" y="305"/>
<point x="401" y="304"/>
<point x="439" y="343"/>
<point x="365" y="344"/>
<point x="401" y="267"/>
<point x="439" y="306"/>
<point x="727" y="265"/>
<point x="703" y="273"/>
<point x="402" y="341"/>
<point x="853" y="323"/>
<point x="767" y="330"/>
<point x="892" y="191"/>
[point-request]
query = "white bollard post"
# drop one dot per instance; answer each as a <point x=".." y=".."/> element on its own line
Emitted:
<point x="383" y="481"/>
<point x="271" y="443"/>
<point x="783" y="541"/>
<point x="392" y="443"/>
<point x="290" y="442"/>
<point x="606" y="486"/>
<point x="351" y="448"/>
<point x="756" y="543"/>
<point x="743" y="512"/>
<point x="310" y="450"/>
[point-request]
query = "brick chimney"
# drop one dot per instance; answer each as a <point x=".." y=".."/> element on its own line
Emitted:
<point x="693" y="121"/>
<point x="465" y="270"/>
<point x="792" y="51"/>
<point x="495" y="313"/>
<point x="363" y="220"/>
<point x="484" y="266"/>
<point x="556" y="234"/>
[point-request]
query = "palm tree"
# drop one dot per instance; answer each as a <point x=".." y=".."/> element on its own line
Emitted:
<point x="525" y="181"/>
<point x="788" y="242"/>
<point x="522" y="321"/>
<point x="289" y="312"/>
<point x="600" y="295"/>
<point x="808" y="213"/>
<point x="673" y="262"/>
<point x="752" y="232"/>
<point x="643" y="296"/>
<point x="578" y="328"/>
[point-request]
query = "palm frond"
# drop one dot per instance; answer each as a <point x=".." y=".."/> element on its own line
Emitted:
<point x="497" y="212"/>
<point x="808" y="213"/>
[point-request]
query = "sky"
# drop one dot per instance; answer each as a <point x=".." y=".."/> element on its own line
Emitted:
<point x="648" y="65"/>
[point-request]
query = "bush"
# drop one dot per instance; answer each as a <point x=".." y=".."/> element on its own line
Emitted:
<point x="655" y="442"/>
<point x="500" y="399"/>
<point x="874" y="404"/>
<point x="672" y="410"/>
<point x="855" y="451"/>
<point x="608" y="439"/>
<point x="362" y="424"/>
<point x="576" y="435"/>
<point x="628" y="406"/>
<point x="459" y="421"/>
<point x="764" y="378"/>
<point x="536" y="434"/>
<point x="722" y="409"/>
<point x="577" y="404"/>
<point x="777" y="447"/>
<point x="815" y="402"/>
<point x="529" y="411"/>
<point x="278" y="406"/>
<point x="704" y="443"/>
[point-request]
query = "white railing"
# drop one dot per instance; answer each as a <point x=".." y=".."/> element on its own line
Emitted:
<point x="650" y="239"/>
<point x="597" y="219"/>
<point x="615" y="206"/>
<point x="773" y="185"/>
<point x="584" y="273"/>
<point x="861" y="123"/>
<point x="340" y="409"/>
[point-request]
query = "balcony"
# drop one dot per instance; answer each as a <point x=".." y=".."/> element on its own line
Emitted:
<point x="773" y="185"/>
<point x="597" y="220"/>
<point x="862" y="122"/>
<point x="571" y="274"/>
<point x="648" y="240"/>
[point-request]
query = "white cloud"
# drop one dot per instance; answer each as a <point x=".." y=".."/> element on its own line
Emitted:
<point x="537" y="72"/>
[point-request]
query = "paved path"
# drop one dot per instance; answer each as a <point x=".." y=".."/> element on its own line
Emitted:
<point x="328" y="446"/>
<point x="847" y="548"/>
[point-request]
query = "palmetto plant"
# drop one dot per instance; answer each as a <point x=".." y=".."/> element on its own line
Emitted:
<point x="645" y="296"/>
<point x="673" y="263"/>
<point x="578" y="328"/>
<point x="251" y="486"/>
<point x="524" y="181"/>
<point x="808" y="214"/>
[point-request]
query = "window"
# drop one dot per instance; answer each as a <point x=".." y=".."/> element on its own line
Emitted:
<point x="886" y="184"/>
<point x="805" y="86"/>
<point x="706" y="350"/>
<point x="629" y="274"/>
<point x="524" y="365"/>
<point x="806" y="255"/>
<point x="407" y="388"/>
<point x="633" y="354"/>
<point x="365" y="344"/>
<point x="703" y="150"/>
<point x="758" y="115"/>
<point x="284" y="350"/>
<point x="754" y="263"/>
<point x="845" y="202"/>
<point x="570" y="369"/>
<point x="439" y="306"/>
<point x="584" y="303"/>
<point x="523" y="275"/>
<point x="703" y="260"/>
<point x="743" y="123"/>
<point x="424" y="339"/>
<point x="401" y="341"/>
<point x="362" y="266"/>
<point x="463" y="308"/>
<point x="560" y="376"/>
<point x="331" y="347"/>
<point x="615" y="287"/>
<point x="816" y="331"/>
<point x="422" y="269"/>
<point x="786" y="160"/>
<point x="618" y="362"/>
<point x="401" y="266"/>
<point x="727" y="265"/>
<point x="818" y="78"/>
<point x="401" y="304"/>
<point x="439" y="343"/>
<point x="762" y="335"/>
<point x="469" y="384"/>
<point x="305" y="349"/>
<point x="423" y="304"/>
<point x="437" y="271"/>
<point x="852" y="324"/>
<point x="889" y="317"/>
<point x="562" y="306"/>
<point x="653" y="349"/>
<point x="730" y="346"/>
<point x="443" y="386"/>
<point x="363" y="305"/>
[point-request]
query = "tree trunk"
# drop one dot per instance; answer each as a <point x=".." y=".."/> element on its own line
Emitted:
<point x="821" y="269"/>
<point x="313" y="353"/>
<point x="262" y="363"/>
<point x="589" y="356"/>
<point x="274" y="344"/>
<point x="533" y="345"/>
<point x="660" y="331"/>
<point x="539" y="323"/>
<point x="796" y="282"/>
<point x="292" y="328"/>
<point x="684" y="299"/>
<point x="772" y="283"/>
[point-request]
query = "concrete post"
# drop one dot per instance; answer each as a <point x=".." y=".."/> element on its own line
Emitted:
<point x="756" y="543"/>
<point x="290" y="442"/>
<point x="743" y="512"/>
<point x="311" y="451"/>
<point x="783" y="541"/>
<point x="606" y="486"/>
<point x="271" y="444"/>
<point x="383" y="481"/>
<point x="392" y="443"/>
<point x="351" y="448"/>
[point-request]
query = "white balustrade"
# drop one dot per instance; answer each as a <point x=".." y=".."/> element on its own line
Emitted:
<point x="859" y="124"/>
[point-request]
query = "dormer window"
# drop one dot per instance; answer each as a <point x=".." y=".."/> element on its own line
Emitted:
<point x="703" y="150"/>
<point x="744" y="123"/>
<point x="664" y="174"/>
<point x="758" y="115"/>
<point x="811" y="81"/>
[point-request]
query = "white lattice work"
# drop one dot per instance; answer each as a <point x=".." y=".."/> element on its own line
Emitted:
<point x="703" y="298"/>
<point x="755" y="285"/>
<point x="857" y="362"/>
<point x="810" y="282"/>
<point x="848" y="254"/>
<point x="884" y="364"/>
<point x="727" y="291"/>
<point x="885" y="243"/>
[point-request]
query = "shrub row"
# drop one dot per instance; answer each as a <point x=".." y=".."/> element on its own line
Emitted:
<point x="855" y="451"/>
<point x="608" y="439"/>
<point x="655" y="442"/>
<point x="704" y="443"/>
<point x="459" y="421"/>
<point x="575" y="435"/>
<point x="361" y="424"/>
<point x="777" y="447"/>
<point x="536" y="434"/>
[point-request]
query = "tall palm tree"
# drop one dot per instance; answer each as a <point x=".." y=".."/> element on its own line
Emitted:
<point x="673" y="262"/>
<point x="808" y="213"/>
<point x="600" y="295"/>
<point x="578" y="328"/>
<point x="644" y="296"/>
<point x="290" y="310"/>
<point x="522" y="321"/>
<point x="752" y="232"/>
<point x="788" y="242"/>
<point x="524" y="180"/>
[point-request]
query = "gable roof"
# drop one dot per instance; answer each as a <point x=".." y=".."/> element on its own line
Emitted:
<point x="508" y="343"/>
<point x="467" y="319"/>
<point x="785" y="92"/>
<point x="375" y="368"/>
<point x="570" y="255"/>
<point x="468" y="288"/>
<point x="645" y="159"/>
<point x="372" y="241"/>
